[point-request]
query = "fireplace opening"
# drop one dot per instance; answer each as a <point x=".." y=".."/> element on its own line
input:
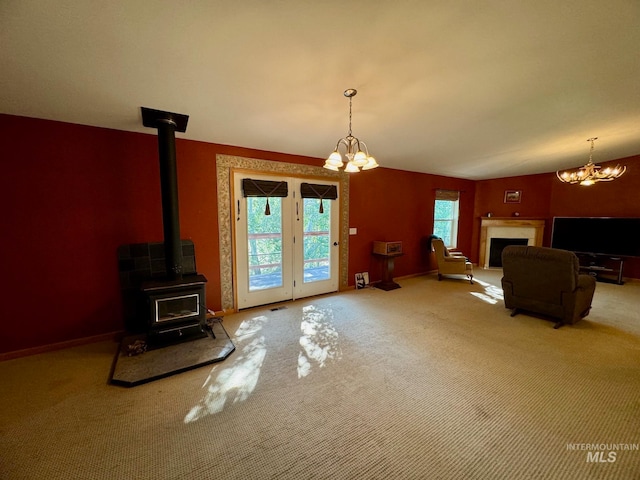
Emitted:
<point x="498" y="244"/>
<point x="166" y="309"/>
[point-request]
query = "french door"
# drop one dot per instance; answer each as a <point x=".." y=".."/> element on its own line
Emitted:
<point x="286" y="238"/>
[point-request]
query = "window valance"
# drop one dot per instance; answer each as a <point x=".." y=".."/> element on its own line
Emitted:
<point x="264" y="188"/>
<point x="450" y="195"/>
<point x="311" y="190"/>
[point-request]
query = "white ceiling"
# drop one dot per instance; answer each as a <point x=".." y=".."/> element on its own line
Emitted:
<point x="469" y="88"/>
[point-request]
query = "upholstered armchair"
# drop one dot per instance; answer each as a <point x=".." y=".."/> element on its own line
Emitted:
<point x="546" y="281"/>
<point x="451" y="263"/>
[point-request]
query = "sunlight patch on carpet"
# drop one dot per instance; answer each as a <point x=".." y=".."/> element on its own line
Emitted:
<point x="319" y="341"/>
<point x="492" y="294"/>
<point x="250" y="327"/>
<point x="236" y="382"/>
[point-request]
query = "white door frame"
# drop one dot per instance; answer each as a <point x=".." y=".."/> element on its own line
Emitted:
<point x="225" y="165"/>
<point x="292" y="230"/>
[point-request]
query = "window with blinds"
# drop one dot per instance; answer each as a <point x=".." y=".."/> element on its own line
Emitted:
<point x="264" y="188"/>
<point x="445" y="216"/>
<point x="311" y="190"/>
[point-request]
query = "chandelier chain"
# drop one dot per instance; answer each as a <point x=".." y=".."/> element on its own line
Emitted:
<point x="592" y="139"/>
<point x="350" y="98"/>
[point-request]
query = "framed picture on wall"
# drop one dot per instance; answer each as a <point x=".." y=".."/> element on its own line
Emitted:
<point x="512" y="196"/>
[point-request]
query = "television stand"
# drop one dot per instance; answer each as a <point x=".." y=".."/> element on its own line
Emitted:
<point x="599" y="265"/>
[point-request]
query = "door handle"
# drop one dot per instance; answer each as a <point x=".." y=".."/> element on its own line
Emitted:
<point x="335" y="244"/>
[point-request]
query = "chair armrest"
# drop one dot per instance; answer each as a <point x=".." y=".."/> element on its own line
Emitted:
<point x="586" y="282"/>
<point x="456" y="259"/>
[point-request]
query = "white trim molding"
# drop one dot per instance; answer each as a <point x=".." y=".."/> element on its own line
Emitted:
<point x="491" y="227"/>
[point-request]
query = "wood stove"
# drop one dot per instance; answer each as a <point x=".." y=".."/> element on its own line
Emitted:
<point x="154" y="304"/>
<point x="164" y="296"/>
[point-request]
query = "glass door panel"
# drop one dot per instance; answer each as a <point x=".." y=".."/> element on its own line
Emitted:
<point x="316" y="240"/>
<point x="263" y="246"/>
<point x="286" y="251"/>
<point x="317" y="255"/>
<point x="264" y="243"/>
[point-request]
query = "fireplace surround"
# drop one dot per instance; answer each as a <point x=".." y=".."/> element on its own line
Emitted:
<point x="495" y="227"/>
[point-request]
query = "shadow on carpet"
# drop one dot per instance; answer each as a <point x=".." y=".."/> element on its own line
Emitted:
<point x="151" y="364"/>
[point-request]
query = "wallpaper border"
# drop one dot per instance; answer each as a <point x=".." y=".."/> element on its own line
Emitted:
<point x="224" y="166"/>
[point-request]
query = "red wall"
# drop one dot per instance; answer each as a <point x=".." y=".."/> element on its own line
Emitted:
<point x="69" y="194"/>
<point x="620" y="198"/>
<point x="395" y="205"/>
<point x="544" y="196"/>
<point x="535" y="200"/>
<point x="73" y="194"/>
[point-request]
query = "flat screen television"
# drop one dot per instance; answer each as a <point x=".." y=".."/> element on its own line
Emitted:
<point x="618" y="237"/>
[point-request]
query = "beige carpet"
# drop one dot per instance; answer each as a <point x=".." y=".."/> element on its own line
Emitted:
<point x="433" y="380"/>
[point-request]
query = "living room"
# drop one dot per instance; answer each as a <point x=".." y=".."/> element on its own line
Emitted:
<point x="83" y="171"/>
<point x="431" y="380"/>
<point x="83" y="191"/>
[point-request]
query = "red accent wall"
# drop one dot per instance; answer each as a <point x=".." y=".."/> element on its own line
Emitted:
<point x="534" y="203"/>
<point x="395" y="205"/>
<point x="72" y="194"/>
<point x="620" y="198"/>
<point x="544" y="196"/>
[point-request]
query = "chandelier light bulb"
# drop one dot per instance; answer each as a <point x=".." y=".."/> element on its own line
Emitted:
<point x="334" y="161"/>
<point x="360" y="159"/>
<point x="335" y="157"/>
<point x="351" y="168"/>
<point x="371" y="163"/>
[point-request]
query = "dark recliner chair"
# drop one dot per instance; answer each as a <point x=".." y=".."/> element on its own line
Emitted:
<point x="546" y="281"/>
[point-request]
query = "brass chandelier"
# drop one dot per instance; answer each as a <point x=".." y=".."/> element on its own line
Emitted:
<point x="591" y="173"/>
<point x="356" y="153"/>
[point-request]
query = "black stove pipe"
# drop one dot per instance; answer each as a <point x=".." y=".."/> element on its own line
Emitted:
<point x="169" y="188"/>
<point x="167" y="124"/>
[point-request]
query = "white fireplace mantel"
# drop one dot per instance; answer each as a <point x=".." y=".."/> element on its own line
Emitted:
<point x="492" y="227"/>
